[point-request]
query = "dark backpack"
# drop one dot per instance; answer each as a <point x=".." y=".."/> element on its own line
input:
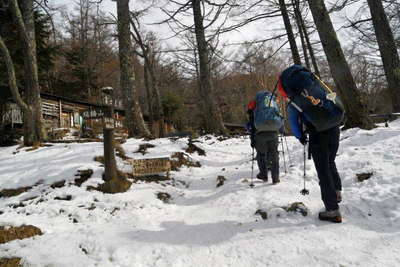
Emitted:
<point x="307" y="94"/>
<point x="266" y="114"/>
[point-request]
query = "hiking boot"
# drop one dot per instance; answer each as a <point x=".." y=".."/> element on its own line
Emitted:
<point x="339" y="196"/>
<point x="330" y="216"/>
<point x="262" y="177"/>
<point x="276" y="181"/>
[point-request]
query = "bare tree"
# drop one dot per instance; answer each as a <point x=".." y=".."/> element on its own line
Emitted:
<point x="289" y="32"/>
<point x="87" y="52"/>
<point x="303" y="27"/>
<point x="133" y="114"/>
<point x="297" y="17"/>
<point x="34" y="132"/>
<point x="147" y="47"/>
<point x="388" y="50"/>
<point x="356" y="112"/>
<point x="214" y="122"/>
<point x="369" y="76"/>
<point x="209" y="19"/>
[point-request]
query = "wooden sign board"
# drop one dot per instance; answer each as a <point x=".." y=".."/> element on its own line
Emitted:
<point x="95" y="113"/>
<point x="108" y="123"/>
<point x="142" y="167"/>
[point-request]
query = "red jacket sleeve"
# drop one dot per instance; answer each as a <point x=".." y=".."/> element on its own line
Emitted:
<point x="251" y="105"/>
<point x="281" y="90"/>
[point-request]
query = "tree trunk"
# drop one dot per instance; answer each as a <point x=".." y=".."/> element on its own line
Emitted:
<point x="133" y="113"/>
<point x="34" y="133"/>
<point x="151" y="84"/>
<point x="158" y="111"/>
<point x="307" y="38"/>
<point x="212" y="114"/>
<point x="356" y="112"/>
<point x="84" y="7"/>
<point x="388" y="50"/>
<point x="289" y="32"/>
<point x="297" y="15"/>
<point x="148" y="93"/>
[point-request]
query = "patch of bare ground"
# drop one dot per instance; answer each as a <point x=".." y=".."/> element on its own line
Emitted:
<point x="58" y="184"/>
<point x="34" y="147"/>
<point x="262" y="213"/>
<point x="11" y="233"/>
<point x="164" y="197"/>
<point x="193" y="148"/>
<point x="99" y="159"/>
<point x="66" y="198"/>
<point x="82" y="176"/>
<point x="364" y="176"/>
<point x="156" y="178"/>
<point x="10" y="262"/>
<point x="143" y="148"/>
<point x="220" y="180"/>
<point x="180" y="159"/>
<point x="117" y="184"/>
<point x="14" y="192"/>
<point x="297" y="207"/>
<point x="83" y="140"/>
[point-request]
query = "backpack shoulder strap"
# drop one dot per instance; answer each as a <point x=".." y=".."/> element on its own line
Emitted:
<point x="328" y="89"/>
<point x="296" y="106"/>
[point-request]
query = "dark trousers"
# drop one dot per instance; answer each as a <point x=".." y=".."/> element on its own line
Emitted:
<point x="323" y="147"/>
<point x="266" y="144"/>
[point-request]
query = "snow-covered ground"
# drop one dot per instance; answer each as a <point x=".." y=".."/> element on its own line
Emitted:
<point x="205" y="225"/>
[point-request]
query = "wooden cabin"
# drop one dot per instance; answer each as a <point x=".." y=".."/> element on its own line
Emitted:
<point x="62" y="112"/>
<point x="58" y="112"/>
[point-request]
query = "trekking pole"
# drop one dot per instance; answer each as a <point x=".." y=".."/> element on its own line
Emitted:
<point x="284" y="137"/>
<point x="252" y="168"/>
<point x="304" y="191"/>
<point x="283" y="154"/>
<point x="287" y="149"/>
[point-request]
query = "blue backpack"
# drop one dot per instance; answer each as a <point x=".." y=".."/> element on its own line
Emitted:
<point x="266" y="114"/>
<point x="306" y="93"/>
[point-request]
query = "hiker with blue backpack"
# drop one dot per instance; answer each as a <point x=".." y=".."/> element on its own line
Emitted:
<point x="315" y="110"/>
<point x="265" y="121"/>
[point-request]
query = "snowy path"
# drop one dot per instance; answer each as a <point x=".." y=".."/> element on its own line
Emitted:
<point x="204" y="225"/>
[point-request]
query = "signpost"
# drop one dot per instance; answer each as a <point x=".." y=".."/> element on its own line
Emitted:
<point x="143" y="167"/>
<point x="110" y="165"/>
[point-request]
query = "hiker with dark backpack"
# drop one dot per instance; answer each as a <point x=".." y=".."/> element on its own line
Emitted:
<point x="314" y="111"/>
<point x="265" y="121"/>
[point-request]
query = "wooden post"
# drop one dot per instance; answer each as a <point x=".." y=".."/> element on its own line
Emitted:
<point x="114" y="182"/>
<point x="110" y="165"/>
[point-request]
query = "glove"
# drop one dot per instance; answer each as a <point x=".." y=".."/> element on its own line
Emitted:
<point x="303" y="140"/>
